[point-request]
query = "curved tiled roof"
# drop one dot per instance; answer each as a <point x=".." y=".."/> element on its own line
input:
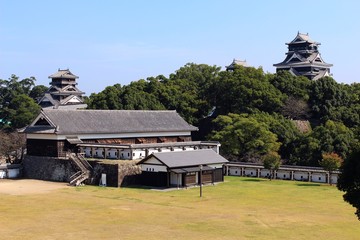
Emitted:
<point x="112" y="121"/>
<point x="63" y="74"/>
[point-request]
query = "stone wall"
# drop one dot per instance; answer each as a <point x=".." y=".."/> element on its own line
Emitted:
<point x="47" y="168"/>
<point x="118" y="173"/>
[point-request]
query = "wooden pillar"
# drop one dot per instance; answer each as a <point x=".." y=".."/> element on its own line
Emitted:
<point x="131" y="154"/>
<point x="258" y="172"/>
<point x="292" y="175"/>
<point x="242" y="173"/>
<point x="92" y="152"/>
<point x="227" y="170"/>
<point x="168" y="178"/>
<point x="309" y="176"/>
<point x="105" y="152"/>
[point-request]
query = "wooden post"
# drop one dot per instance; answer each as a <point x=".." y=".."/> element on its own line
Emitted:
<point x="200" y="180"/>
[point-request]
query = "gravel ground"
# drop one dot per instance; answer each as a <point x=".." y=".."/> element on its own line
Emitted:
<point x="28" y="186"/>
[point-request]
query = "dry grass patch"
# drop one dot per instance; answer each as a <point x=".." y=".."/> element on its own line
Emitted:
<point x="240" y="208"/>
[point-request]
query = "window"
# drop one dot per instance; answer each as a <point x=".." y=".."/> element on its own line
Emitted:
<point x="319" y="178"/>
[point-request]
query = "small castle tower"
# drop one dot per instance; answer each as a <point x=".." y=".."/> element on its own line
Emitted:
<point x="304" y="59"/>
<point x="235" y="63"/>
<point x="63" y="92"/>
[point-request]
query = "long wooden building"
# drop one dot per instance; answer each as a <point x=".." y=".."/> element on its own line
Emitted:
<point x="55" y="132"/>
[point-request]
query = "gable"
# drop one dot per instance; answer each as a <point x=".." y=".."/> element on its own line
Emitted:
<point x="71" y="99"/>
<point x="152" y="160"/>
<point x="42" y="122"/>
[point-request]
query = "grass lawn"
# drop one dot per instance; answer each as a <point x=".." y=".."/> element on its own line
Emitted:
<point x="239" y="208"/>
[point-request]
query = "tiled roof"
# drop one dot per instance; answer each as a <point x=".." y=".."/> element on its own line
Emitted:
<point x="301" y="37"/>
<point x="187" y="158"/>
<point x="112" y="121"/>
<point x="63" y="74"/>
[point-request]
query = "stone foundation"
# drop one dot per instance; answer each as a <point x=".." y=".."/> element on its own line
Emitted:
<point x="60" y="170"/>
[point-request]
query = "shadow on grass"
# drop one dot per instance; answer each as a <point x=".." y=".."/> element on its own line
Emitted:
<point x="253" y="180"/>
<point x="308" y="184"/>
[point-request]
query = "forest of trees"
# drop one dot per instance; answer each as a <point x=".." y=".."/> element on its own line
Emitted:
<point x="254" y="115"/>
<point x="250" y="112"/>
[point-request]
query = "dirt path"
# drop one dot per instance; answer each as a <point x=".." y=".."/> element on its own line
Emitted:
<point x="28" y="186"/>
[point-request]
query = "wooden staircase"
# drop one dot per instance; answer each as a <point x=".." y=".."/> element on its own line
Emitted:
<point x="85" y="169"/>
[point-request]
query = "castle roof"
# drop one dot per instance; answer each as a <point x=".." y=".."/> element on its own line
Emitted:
<point x="107" y="122"/>
<point x="63" y="74"/>
<point x="302" y="38"/>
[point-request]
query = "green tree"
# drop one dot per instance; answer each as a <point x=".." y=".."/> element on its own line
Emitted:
<point x="21" y="111"/>
<point x="244" y="138"/>
<point x="14" y="100"/>
<point x="293" y="86"/>
<point x="334" y="137"/>
<point x="349" y="180"/>
<point x="37" y="92"/>
<point x="140" y="95"/>
<point x="272" y="162"/>
<point x="109" y="98"/>
<point x="326" y="95"/>
<point x="330" y="162"/>
<point x="245" y="90"/>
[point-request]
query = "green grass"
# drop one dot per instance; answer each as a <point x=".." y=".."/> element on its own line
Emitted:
<point x="239" y="208"/>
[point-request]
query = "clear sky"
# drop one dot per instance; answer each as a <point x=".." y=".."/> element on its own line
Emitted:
<point x="119" y="41"/>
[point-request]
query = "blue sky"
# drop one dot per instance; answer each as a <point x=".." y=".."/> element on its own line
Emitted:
<point x="114" y="41"/>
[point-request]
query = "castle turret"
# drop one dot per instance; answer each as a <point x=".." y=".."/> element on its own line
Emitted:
<point x="304" y="59"/>
<point x="63" y="92"/>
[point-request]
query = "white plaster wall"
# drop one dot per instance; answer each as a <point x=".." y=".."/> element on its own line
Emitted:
<point x="319" y="177"/>
<point x="283" y="174"/>
<point x="251" y="172"/>
<point x="264" y="173"/>
<point x="234" y="171"/>
<point x="175" y="179"/>
<point x="139" y="154"/>
<point x="153" y="168"/>
<point x="334" y="178"/>
<point x="13" y="173"/>
<point x="301" y="176"/>
<point x="125" y="154"/>
<point x="2" y="174"/>
<point x="99" y="153"/>
<point x="112" y="153"/>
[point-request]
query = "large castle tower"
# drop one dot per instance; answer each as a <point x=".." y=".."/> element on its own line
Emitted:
<point x="304" y="59"/>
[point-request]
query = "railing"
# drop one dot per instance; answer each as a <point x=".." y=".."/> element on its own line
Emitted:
<point x="85" y="169"/>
